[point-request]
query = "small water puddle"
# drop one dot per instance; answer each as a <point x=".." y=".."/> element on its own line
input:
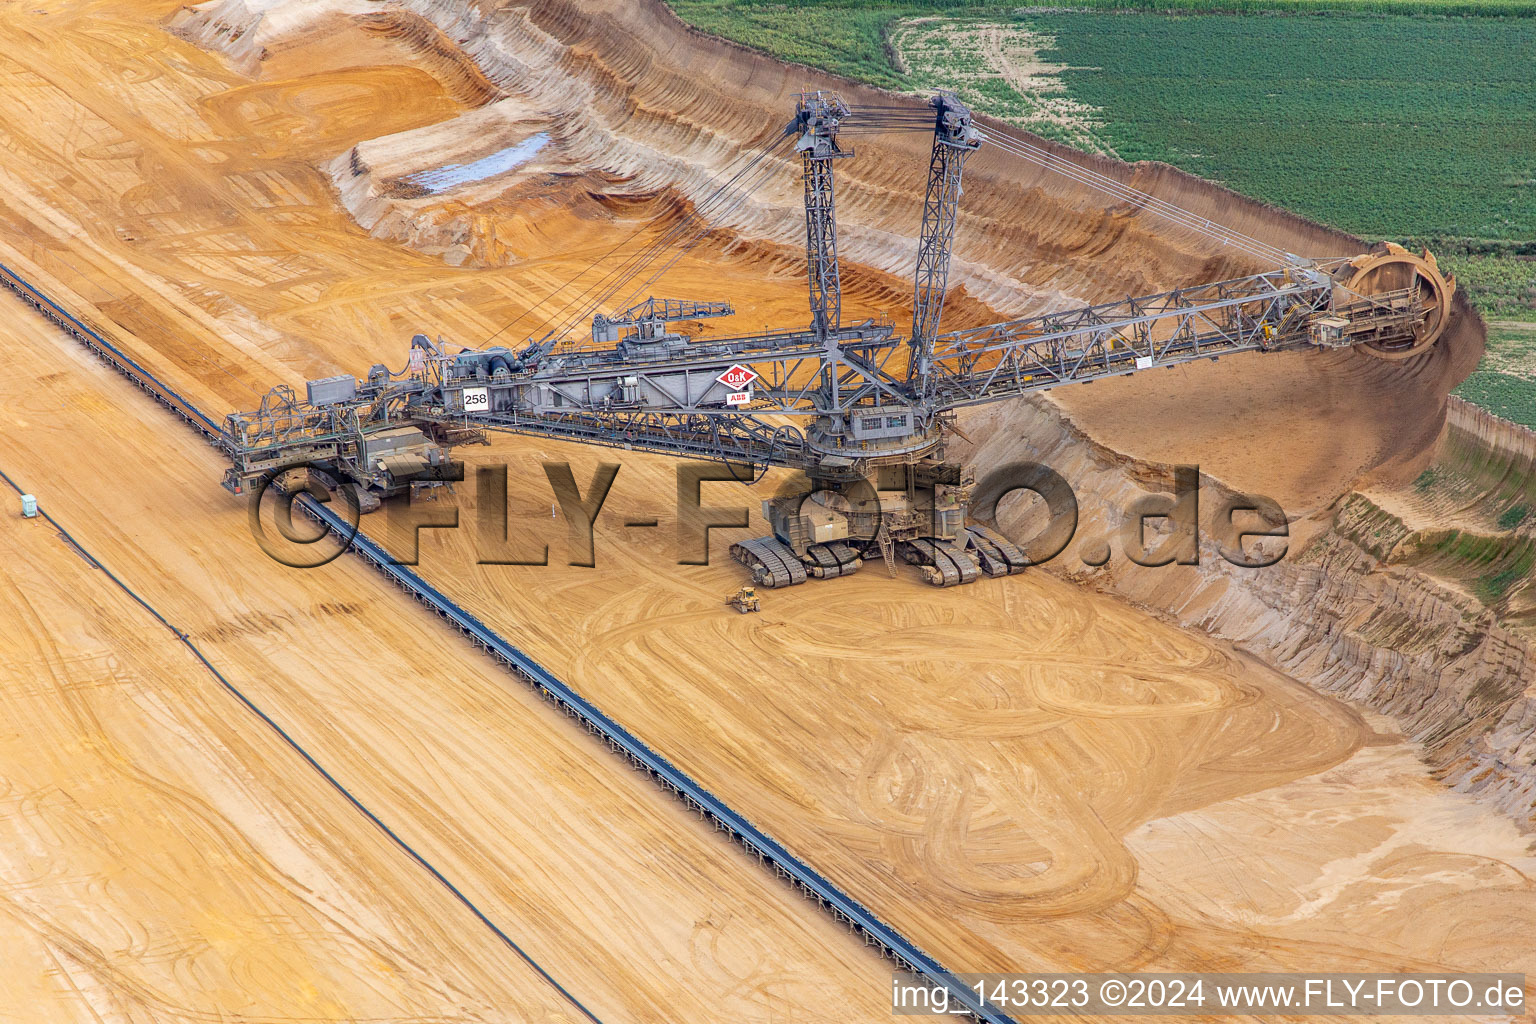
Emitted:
<point x="451" y="176"/>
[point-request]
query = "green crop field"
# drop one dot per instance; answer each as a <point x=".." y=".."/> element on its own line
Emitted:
<point x="1383" y="126"/>
<point x="849" y="36"/>
<point x="1505" y="383"/>
<point x="1418" y="127"/>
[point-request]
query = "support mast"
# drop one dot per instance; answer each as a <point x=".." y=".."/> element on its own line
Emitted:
<point x="817" y="116"/>
<point x="954" y="139"/>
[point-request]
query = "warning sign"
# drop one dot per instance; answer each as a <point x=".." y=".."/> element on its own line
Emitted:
<point x="737" y="378"/>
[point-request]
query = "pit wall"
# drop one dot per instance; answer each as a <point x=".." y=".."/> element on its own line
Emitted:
<point x="635" y="99"/>
<point x="1355" y="608"/>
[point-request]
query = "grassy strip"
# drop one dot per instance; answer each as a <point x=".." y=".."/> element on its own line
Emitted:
<point x="1512" y="398"/>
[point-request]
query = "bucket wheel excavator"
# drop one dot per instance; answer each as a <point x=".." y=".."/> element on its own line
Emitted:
<point x="876" y="408"/>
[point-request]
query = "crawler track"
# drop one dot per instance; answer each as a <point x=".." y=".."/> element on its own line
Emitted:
<point x="779" y="566"/>
<point x="835" y="559"/>
<point x="768" y="851"/>
<point x="944" y="564"/>
<point x="996" y="554"/>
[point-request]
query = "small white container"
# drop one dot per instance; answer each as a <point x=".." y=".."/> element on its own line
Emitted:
<point x="29" y="506"/>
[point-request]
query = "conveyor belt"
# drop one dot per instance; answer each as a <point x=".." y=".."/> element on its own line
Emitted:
<point x="114" y="356"/>
<point x="287" y="738"/>
<point x="844" y="908"/>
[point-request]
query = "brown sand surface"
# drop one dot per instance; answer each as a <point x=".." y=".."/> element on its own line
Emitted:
<point x="986" y="767"/>
<point x="978" y="766"/>
<point x="166" y="858"/>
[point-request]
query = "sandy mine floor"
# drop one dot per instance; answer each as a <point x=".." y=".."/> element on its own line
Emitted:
<point x="1023" y="774"/>
<point x="165" y="857"/>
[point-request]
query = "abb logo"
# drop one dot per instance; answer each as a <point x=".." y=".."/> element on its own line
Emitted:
<point x="737" y="377"/>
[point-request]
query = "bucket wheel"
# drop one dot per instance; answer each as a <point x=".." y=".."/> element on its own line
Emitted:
<point x="1391" y="268"/>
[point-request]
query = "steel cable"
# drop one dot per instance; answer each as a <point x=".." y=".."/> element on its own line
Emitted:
<point x="1093" y="179"/>
<point x="595" y="263"/>
<point x="742" y="195"/>
<point x="632" y="265"/>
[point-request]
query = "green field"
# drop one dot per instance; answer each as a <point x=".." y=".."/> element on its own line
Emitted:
<point x="1513" y="398"/>
<point x="1505" y="383"/>
<point x="850" y="36"/>
<point x="1383" y="126"/>
<point x="1414" y="127"/>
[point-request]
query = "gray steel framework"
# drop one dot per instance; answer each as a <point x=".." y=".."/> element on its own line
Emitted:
<point x="817" y="116"/>
<point x="658" y="391"/>
<point x="651" y="317"/>
<point x="1265" y="311"/>
<point x="954" y="139"/>
<point x="675" y="405"/>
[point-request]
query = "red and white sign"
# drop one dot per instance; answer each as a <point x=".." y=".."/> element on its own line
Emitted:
<point x="739" y="397"/>
<point x="737" y="377"/>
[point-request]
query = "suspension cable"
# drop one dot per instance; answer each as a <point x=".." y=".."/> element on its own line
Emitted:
<point x="704" y="229"/>
<point x="1048" y="160"/>
<point x="626" y="271"/>
<point x="609" y="254"/>
<point x="862" y="120"/>
<point x="727" y="197"/>
<point x="625" y="262"/>
<point x="885" y="117"/>
<point x="702" y="214"/>
<point x="635" y="262"/>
